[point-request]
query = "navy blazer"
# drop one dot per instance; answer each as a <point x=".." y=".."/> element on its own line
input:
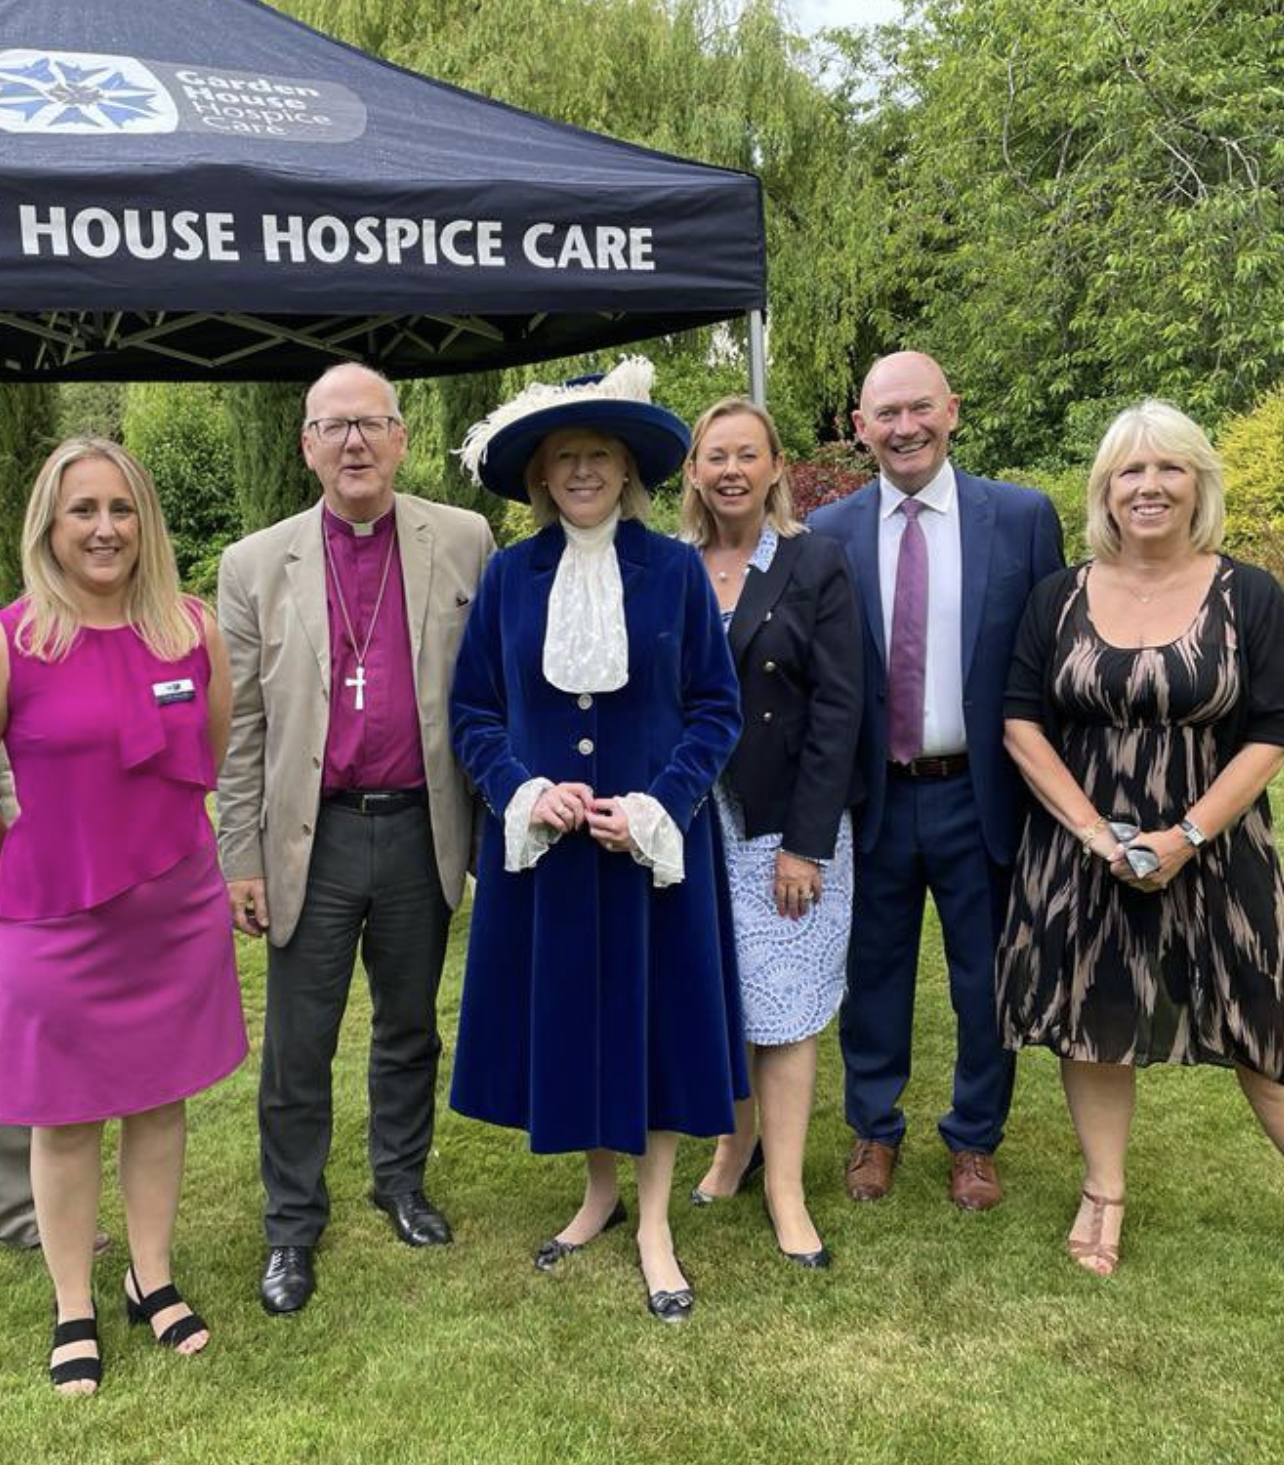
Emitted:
<point x="1011" y="539"/>
<point x="795" y="639"/>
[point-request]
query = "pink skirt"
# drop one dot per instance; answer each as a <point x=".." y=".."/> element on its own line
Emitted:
<point x="124" y="1007"/>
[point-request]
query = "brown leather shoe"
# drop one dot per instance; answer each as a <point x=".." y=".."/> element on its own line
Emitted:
<point x="869" y="1169"/>
<point x="974" y="1182"/>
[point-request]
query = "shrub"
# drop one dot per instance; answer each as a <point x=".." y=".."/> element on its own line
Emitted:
<point x="1252" y="449"/>
<point x="1067" y="488"/>
<point x="834" y="471"/>
<point x="179" y="432"/>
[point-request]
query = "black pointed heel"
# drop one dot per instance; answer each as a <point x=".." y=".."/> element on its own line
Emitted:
<point x="553" y="1251"/>
<point x="700" y="1197"/>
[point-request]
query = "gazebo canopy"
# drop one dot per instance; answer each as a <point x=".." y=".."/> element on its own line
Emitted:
<point x="207" y="188"/>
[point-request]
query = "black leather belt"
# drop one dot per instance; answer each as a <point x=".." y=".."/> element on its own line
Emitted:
<point x="378" y="801"/>
<point x="945" y="767"/>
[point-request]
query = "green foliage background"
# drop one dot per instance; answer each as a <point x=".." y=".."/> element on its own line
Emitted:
<point x="1071" y="204"/>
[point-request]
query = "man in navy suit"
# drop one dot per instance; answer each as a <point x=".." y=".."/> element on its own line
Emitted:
<point x="943" y="802"/>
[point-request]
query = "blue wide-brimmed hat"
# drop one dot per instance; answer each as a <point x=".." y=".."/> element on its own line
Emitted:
<point x="497" y="449"/>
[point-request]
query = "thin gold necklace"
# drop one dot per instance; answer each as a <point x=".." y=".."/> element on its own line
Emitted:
<point x="1171" y="584"/>
<point x="359" y="681"/>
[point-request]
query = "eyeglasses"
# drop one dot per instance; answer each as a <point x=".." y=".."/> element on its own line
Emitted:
<point x="336" y="429"/>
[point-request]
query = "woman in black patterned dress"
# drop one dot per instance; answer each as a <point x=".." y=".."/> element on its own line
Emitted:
<point x="1147" y="689"/>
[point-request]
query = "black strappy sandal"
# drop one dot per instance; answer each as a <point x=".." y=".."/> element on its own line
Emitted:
<point x="72" y="1370"/>
<point x="146" y="1308"/>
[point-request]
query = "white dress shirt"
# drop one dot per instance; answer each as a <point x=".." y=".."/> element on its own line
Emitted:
<point x="943" y="728"/>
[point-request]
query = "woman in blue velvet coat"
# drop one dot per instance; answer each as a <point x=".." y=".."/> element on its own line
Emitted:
<point x="594" y="704"/>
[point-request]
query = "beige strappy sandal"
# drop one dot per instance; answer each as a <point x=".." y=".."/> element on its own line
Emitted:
<point x="1092" y="1253"/>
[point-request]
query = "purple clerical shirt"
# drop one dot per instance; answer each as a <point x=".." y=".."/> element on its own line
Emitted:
<point x="378" y="746"/>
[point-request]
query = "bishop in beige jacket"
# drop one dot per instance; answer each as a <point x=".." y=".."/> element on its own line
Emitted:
<point x="344" y="821"/>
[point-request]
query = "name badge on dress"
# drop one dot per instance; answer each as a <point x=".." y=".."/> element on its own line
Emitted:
<point x="183" y="690"/>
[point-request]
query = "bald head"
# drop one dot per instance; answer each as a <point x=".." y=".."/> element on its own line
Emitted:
<point x="351" y="375"/>
<point x="905" y="418"/>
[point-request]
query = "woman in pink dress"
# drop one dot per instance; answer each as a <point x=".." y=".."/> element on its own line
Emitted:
<point x="118" y="990"/>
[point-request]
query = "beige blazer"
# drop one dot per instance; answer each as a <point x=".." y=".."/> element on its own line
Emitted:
<point x="272" y="608"/>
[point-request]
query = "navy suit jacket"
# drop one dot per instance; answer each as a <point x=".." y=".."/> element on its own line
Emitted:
<point x="1011" y="539"/>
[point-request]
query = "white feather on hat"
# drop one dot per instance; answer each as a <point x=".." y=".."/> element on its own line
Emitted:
<point x="630" y="381"/>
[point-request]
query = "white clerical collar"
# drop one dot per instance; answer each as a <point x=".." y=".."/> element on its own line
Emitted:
<point x="939" y="494"/>
<point x="358" y="528"/>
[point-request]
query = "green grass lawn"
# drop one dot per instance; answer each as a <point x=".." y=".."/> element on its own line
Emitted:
<point x="937" y="1336"/>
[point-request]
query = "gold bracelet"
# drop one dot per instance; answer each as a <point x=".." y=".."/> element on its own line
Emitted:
<point x="1089" y="832"/>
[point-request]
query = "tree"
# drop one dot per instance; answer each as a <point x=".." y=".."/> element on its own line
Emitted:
<point x="181" y="434"/>
<point x="28" y="428"/>
<point x="272" y="480"/>
<point x="1075" y="202"/>
<point x="705" y="79"/>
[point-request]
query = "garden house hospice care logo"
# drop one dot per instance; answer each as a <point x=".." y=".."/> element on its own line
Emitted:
<point x="86" y="94"/>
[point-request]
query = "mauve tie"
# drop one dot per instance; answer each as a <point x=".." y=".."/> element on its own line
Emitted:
<point x="907" y="658"/>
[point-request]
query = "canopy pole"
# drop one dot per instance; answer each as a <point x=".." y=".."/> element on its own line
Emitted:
<point x="757" y="359"/>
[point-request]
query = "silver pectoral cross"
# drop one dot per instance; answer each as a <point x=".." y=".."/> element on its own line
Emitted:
<point x="359" y="682"/>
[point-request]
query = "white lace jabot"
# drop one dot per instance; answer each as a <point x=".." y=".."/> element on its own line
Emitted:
<point x="586" y="643"/>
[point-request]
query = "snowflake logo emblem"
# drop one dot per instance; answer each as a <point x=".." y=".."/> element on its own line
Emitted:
<point x="66" y="92"/>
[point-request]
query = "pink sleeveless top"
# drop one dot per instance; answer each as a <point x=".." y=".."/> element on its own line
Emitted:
<point x="111" y="761"/>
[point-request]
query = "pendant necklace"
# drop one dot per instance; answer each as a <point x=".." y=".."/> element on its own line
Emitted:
<point x="722" y="576"/>
<point x="359" y="681"/>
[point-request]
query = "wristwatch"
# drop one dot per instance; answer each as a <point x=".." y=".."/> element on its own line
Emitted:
<point x="1194" y="834"/>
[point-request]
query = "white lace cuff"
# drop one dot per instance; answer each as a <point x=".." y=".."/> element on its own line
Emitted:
<point x="657" y="837"/>
<point x="524" y="843"/>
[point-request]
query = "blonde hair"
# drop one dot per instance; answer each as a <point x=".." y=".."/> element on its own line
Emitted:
<point x="635" y="501"/>
<point x="1162" y="428"/>
<point x="154" y="605"/>
<point x="697" y="526"/>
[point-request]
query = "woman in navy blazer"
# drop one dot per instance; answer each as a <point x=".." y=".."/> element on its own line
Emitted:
<point x="594" y="704"/>
<point x="784" y="798"/>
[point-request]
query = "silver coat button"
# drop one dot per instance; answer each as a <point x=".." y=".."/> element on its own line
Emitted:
<point x="766" y="716"/>
<point x="584" y="701"/>
<point x="769" y="666"/>
<point x="585" y="745"/>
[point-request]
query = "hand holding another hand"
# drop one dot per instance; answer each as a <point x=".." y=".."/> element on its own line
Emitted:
<point x="1170" y="846"/>
<point x="609" y="825"/>
<point x="563" y="807"/>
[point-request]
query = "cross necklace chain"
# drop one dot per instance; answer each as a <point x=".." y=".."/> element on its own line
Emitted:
<point x="359" y="681"/>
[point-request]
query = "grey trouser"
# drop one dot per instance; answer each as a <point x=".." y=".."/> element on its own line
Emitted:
<point x="17" y="1211"/>
<point x="372" y="881"/>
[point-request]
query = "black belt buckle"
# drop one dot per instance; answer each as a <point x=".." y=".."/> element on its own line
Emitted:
<point x="378" y="801"/>
<point x="944" y="765"/>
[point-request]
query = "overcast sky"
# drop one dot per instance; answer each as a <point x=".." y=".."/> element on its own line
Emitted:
<point x="816" y="13"/>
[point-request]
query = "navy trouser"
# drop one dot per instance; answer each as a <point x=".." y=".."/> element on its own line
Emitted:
<point x="372" y="880"/>
<point x="930" y="840"/>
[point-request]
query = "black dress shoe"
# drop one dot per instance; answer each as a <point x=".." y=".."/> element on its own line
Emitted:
<point x="553" y="1250"/>
<point x="289" y="1279"/>
<point x="813" y="1260"/>
<point x="700" y="1197"/>
<point x="414" y="1218"/>
<point x="669" y="1307"/>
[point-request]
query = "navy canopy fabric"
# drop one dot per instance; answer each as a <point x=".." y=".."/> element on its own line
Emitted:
<point x="208" y="188"/>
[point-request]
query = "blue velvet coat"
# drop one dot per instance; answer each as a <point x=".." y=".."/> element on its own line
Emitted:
<point x="596" y="1008"/>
